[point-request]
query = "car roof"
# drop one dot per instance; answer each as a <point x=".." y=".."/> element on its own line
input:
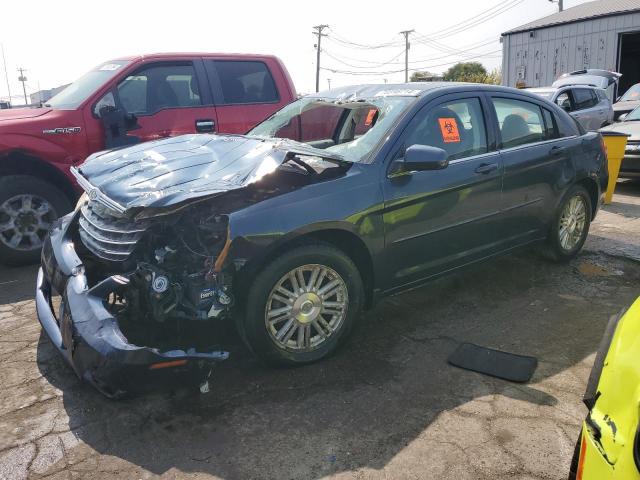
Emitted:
<point x="193" y="54"/>
<point x="411" y="89"/>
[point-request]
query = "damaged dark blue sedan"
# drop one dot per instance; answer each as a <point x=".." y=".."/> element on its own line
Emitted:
<point x="333" y="202"/>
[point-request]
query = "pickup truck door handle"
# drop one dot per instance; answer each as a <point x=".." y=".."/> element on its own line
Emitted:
<point x="556" y="150"/>
<point x="205" y="125"/>
<point x="486" y="168"/>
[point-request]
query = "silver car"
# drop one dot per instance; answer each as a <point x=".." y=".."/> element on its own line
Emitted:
<point x="583" y="95"/>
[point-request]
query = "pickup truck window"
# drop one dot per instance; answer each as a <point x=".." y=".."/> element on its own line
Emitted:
<point x="71" y="97"/>
<point x="520" y="122"/>
<point x="245" y="82"/>
<point x="159" y="86"/>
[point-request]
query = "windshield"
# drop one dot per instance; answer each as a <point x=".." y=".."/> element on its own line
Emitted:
<point x="76" y="93"/>
<point x="632" y="94"/>
<point x="351" y="128"/>
<point x="542" y="93"/>
<point x="634" y="115"/>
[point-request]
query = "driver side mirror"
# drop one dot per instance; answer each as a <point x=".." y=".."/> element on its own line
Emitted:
<point x="424" y="157"/>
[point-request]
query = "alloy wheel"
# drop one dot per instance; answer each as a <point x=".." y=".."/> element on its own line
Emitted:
<point x="24" y="221"/>
<point x="306" y="307"/>
<point x="572" y="223"/>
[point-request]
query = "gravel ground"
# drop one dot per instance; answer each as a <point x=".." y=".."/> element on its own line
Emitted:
<point x="386" y="406"/>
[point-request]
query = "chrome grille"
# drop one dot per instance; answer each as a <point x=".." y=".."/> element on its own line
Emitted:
<point x="107" y="234"/>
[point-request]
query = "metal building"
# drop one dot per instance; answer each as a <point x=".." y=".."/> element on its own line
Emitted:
<point x="600" y="34"/>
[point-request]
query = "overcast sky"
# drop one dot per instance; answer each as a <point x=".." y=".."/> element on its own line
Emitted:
<point x="57" y="42"/>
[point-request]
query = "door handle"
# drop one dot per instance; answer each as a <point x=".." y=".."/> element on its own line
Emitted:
<point x="205" y="125"/>
<point x="556" y="150"/>
<point x="486" y="168"/>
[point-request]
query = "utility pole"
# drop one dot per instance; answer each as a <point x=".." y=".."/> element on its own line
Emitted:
<point x="23" y="79"/>
<point x="318" y="31"/>
<point x="6" y="74"/>
<point x="406" y="53"/>
<point x="329" y="82"/>
<point x="560" y="4"/>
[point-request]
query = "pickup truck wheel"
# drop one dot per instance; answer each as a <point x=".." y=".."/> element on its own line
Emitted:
<point x="302" y="305"/>
<point x="28" y="206"/>
<point x="570" y="226"/>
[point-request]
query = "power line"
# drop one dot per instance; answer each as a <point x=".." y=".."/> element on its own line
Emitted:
<point x="372" y="64"/>
<point x="350" y="72"/>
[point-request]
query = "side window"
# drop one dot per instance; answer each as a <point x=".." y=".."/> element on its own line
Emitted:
<point x="106" y="101"/>
<point x="551" y="126"/>
<point x="563" y="101"/>
<point x="245" y="82"/>
<point x="584" y="98"/>
<point x="457" y="127"/>
<point x="159" y="86"/>
<point x="520" y="122"/>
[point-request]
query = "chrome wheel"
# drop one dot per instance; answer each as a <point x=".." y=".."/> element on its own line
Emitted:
<point x="306" y="307"/>
<point x="572" y="223"/>
<point x="24" y="221"/>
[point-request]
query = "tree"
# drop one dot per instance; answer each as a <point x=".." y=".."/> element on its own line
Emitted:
<point x="464" y="71"/>
<point x="425" y="77"/>
<point x="473" y="72"/>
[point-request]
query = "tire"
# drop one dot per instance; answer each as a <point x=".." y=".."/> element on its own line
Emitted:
<point x="46" y="204"/>
<point x="260" y="327"/>
<point x="559" y="247"/>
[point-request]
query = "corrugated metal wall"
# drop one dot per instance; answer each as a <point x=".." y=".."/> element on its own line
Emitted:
<point x="540" y="56"/>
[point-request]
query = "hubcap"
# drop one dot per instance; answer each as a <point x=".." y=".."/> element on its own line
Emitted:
<point x="24" y="221"/>
<point x="572" y="223"/>
<point x="306" y="307"/>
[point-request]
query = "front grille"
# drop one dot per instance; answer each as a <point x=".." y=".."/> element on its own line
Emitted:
<point x="107" y="234"/>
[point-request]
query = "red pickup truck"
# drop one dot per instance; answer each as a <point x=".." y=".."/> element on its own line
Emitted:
<point x="118" y="103"/>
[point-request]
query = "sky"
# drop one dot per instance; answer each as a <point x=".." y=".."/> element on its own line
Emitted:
<point x="58" y="42"/>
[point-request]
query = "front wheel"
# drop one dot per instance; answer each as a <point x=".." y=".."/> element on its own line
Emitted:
<point x="302" y="305"/>
<point x="570" y="226"/>
<point x="28" y="207"/>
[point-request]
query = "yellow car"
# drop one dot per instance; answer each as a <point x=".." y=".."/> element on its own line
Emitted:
<point x="609" y="444"/>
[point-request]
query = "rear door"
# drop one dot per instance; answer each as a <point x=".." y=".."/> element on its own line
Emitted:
<point x="437" y="220"/>
<point x="586" y="108"/>
<point x="244" y="91"/>
<point x="536" y="160"/>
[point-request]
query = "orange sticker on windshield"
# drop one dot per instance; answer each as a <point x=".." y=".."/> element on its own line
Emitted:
<point x="449" y="130"/>
<point x="370" y="116"/>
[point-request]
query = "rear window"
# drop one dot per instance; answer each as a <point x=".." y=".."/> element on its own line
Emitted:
<point x="245" y="82"/>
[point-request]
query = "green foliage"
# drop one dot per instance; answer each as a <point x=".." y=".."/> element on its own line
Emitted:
<point x="472" y="72"/>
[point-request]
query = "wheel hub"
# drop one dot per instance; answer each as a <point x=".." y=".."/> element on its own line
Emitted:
<point x="24" y="221"/>
<point x="307" y="307"/>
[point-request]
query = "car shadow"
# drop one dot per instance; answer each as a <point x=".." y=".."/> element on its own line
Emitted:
<point x="381" y="390"/>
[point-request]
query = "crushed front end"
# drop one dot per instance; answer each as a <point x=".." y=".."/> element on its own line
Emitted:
<point x="130" y="300"/>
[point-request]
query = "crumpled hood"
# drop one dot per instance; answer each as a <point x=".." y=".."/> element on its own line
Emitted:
<point x="172" y="170"/>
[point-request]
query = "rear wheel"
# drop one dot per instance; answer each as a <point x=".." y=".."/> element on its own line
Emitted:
<point x="302" y="305"/>
<point x="28" y="207"/>
<point x="570" y="226"/>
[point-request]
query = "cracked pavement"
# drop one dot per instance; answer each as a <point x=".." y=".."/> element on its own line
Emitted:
<point x="387" y="405"/>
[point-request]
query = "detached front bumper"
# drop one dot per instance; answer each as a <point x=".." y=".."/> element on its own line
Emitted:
<point x="88" y="336"/>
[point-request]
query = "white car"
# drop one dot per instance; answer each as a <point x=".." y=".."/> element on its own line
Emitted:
<point x="582" y="94"/>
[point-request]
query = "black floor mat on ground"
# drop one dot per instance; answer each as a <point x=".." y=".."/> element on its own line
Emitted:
<point x="508" y="366"/>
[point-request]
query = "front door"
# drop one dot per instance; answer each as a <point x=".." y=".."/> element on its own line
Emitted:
<point x="438" y="220"/>
<point x="159" y="99"/>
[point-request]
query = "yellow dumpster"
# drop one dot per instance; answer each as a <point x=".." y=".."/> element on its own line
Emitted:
<point x="615" y="143"/>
